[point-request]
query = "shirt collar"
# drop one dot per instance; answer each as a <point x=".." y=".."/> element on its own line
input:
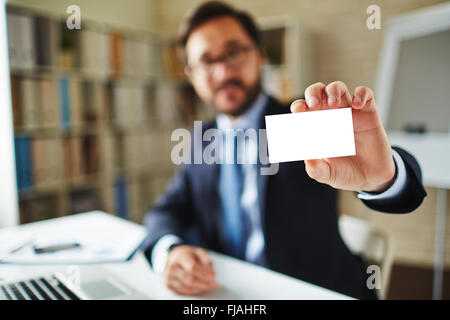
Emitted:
<point x="249" y="119"/>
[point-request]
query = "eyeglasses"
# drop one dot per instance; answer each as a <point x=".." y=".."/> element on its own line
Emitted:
<point x="233" y="59"/>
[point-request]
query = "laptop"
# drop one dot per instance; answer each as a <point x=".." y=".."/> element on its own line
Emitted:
<point x="92" y="283"/>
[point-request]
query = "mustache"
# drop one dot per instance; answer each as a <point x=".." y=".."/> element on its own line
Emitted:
<point x="235" y="82"/>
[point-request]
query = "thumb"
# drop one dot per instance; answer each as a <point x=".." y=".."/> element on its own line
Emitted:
<point x="318" y="169"/>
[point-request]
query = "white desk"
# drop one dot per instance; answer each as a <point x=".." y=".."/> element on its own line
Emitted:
<point x="238" y="279"/>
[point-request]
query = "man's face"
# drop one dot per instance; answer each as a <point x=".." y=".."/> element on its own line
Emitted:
<point x="224" y="65"/>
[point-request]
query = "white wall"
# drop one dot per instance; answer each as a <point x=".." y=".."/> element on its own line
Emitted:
<point x="8" y="189"/>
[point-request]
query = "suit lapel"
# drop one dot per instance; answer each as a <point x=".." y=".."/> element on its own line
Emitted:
<point x="272" y="107"/>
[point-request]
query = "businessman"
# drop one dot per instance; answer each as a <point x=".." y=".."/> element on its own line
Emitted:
<point x="288" y="221"/>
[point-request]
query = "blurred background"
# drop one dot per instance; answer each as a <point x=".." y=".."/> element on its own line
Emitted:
<point x="94" y="108"/>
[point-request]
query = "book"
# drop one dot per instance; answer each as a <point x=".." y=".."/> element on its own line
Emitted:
<point x="49" y="104"/>
<point x="94" y="101"/>
<point x="55" y="166"/>
<point x="94" y="53"/>
<point x="27" y="52"/>
<point x="135" y="104"/>
<point x="87" y="51"/>
<point x="47" y="162"/>
<point x="130" y="57"/>
<point x="151" y="145"/>
<point x="120" y="98"/>
<point x="75" y="101"/>
<point x="20" y="41"/>
<point x="45" y="41"/>
<point x="98" y="107"/>
<point x="155" y="57"/>
<point x="15" y="100"/>
<point x="83" y="200"/>
<point x="135" y="200"/>
<point x="64" y="102"/>
<point x="108" y="197"/>
<point x="173" y="66"/>
<point x="130" y="151"/>
<point x="108" y="155"/>
<point x="39" y="161"/>
<point x="150" y="91"/>
<point x="24" y="171"/>
<point x="121" y="195"/>
<point x="73" y="162"/>
<point x="117" y="53"/>
<point x="38" y="209"/>
<point x="29" y="103"/>
<point x="103" y="53"/>
<point x="143" y="58"/>
<point x="91" y="154"/>
<point x="69" y="165"/>
<point x="87" y="100"/>
<point x="12" y="21"/>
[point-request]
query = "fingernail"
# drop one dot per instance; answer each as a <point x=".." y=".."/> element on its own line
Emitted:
<point x="331" y="99"/>
<point x="311" y="170"/>
<point x="294" y="106"/>
<point x="313" y="101"/>
<point x="356" y="100"/>
<point x="315" y="169"/>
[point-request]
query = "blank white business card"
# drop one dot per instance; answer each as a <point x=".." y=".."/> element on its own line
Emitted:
<point x="310" y="135"/>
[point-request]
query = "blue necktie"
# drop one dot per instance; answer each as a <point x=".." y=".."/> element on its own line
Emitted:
<point x="231" y="184"/>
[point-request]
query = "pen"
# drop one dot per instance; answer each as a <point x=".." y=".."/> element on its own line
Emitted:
<point x="56" y="248"/>
<point x="16" y="249"/>
<point x="21" y="246"/>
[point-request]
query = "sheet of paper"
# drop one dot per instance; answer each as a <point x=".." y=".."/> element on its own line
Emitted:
<point x="103" y="238"/>
<point x="310" y="135"/>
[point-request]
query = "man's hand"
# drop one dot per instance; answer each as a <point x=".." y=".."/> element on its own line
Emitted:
<point x="373" y="168"/>
<point x="189" y="271"/>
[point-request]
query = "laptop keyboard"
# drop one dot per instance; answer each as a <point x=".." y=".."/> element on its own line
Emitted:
<point x="41" y="288"/>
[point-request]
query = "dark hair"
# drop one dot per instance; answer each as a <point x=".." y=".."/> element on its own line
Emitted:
<point x="211" y="10"/>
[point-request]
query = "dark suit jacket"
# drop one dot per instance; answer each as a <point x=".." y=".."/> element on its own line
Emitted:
<point x="299" y="218"/>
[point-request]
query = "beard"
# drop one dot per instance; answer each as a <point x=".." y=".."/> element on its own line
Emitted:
<point x="251" y="93"/>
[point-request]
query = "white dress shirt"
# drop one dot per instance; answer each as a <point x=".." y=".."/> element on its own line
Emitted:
<point x="249" y="199"/>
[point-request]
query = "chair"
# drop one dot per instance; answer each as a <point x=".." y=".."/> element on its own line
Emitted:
<point x="374" y="245"/>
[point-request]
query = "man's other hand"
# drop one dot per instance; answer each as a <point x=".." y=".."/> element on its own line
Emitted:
<point x="373" y="168"/>
<point x="189" y="271"/>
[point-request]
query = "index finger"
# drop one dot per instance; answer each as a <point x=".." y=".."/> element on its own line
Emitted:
<point x="363" y="99"/>
<point x="203" y="256"/>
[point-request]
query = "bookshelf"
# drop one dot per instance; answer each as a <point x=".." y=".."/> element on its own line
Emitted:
<point x="93" y="114"/>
